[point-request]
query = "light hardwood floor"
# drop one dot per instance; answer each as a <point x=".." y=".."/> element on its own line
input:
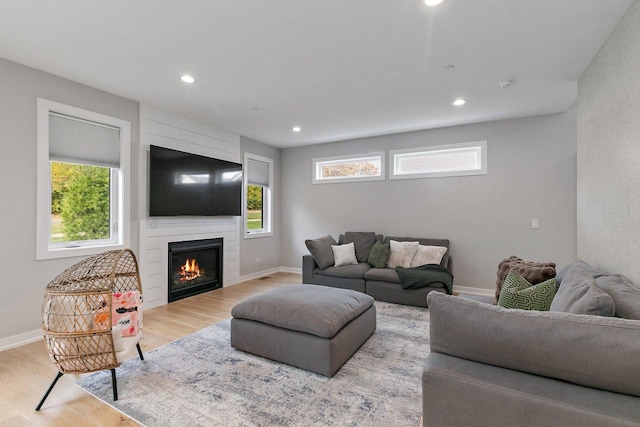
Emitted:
<point x="27" y="371"/>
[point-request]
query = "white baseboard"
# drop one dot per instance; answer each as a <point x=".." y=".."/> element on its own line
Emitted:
<point x="473" y="291"/>
<point x="20" y="339"/>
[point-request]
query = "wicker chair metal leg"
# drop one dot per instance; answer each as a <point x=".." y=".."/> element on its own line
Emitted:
<point x="139" y="351"/>
<point x="49" y="390"/>
<point x="114" y="385"/>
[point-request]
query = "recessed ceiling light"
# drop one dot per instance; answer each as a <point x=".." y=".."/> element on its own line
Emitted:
<point x="187" y="79"/>
<point x="296" y="129"/>
<point x="432" y="2"/>
<point x="458" y="102"/>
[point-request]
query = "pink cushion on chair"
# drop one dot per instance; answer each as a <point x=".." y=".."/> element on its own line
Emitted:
<point x="126" y="311"/>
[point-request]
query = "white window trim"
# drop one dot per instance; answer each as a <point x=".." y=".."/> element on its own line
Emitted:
<point x="267" y="198"/>
<point x="481" y="171"/>
<point x="316" y="161"/>
<point x="43" y="184"/>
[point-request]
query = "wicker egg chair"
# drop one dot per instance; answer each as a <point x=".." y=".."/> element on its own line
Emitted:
<point x="77" y="316"/>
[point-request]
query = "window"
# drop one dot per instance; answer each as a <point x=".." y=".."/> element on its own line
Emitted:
<point x="82" y="177"/>
<point x="469" y="158"/>
<point x="358" y="167"/>
<point x="258" y="196"/>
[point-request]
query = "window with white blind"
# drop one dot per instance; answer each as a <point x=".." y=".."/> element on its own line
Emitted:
<point x="258" y="196"/>
<point x="83" y="173"/>
<point x="469" y="158"/>
<point x="356" y="167"/>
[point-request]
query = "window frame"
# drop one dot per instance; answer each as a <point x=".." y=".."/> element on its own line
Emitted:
<point x="119" y="187"/>
<point x="267" y="199"/>
<point x="435" y="148"/>
<point x="316" y="163"/>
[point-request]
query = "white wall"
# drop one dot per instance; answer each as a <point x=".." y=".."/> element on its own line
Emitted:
<point x="609" y="152"/>
<point x="165" y="129"/>
<point x="23" y="278"/>
<point x="531" y="174"/>
<point x="266" y="248"/>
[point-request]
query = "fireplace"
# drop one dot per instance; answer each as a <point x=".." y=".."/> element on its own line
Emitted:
<point x="195" y="267"/>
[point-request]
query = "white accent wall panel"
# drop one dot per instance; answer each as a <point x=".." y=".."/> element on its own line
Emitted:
<point x="169" y="130"/>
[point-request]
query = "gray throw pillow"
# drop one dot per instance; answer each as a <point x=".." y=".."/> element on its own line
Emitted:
<point x="363" y="241"/>
<point x="321" y="251"/>
<point x="624" y="293"/>
<point x="579" y="294"/>
<point x="379" y="255"/>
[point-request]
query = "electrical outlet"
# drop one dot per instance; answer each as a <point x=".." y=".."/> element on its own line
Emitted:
<point x="258" y="260"/>
<point x="534" y="223"/>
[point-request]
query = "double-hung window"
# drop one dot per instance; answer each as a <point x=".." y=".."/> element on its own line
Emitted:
<point x="82" y="179"/>
<point x="258" y="196"/>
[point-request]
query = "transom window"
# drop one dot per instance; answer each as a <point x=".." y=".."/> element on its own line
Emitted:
<point x="359" y="167"/>
<point x="444" y="160"/>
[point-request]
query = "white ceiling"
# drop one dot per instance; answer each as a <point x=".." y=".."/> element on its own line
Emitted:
<point x="340" y="69"/>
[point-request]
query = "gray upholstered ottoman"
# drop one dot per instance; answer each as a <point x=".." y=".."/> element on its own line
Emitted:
<point x="316" y="328"/>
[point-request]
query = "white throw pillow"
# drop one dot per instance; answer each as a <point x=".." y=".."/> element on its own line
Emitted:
<point x="401" y="253"/>
<point x="428" y="255"/>
<point x="344" y="254"/>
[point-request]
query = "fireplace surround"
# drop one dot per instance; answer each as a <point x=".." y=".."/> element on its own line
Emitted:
<point x="195" y="266"/>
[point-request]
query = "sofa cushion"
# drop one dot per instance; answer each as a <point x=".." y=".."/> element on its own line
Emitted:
<point x="428" y="255"/>
<point x="401" y="253"/>
<point x="624" y="293"/>
<point x="321" y="251"/>
<point x="382" y="275"/>
<point x="363" y="242"/>
<point x="579" y="294"/>
<point x="593" y="351"/>
<point x="379" y="255"/>
<point x="353" y="271"/>
<point x="424" y="242"/>
<point x="517" y="292"/>
<point x="580" y="265"/>
<point x="534" y="272"/>
<point x="344" y="254"/>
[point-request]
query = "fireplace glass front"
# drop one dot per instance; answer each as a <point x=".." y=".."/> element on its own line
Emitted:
<point x="195" y="267"/>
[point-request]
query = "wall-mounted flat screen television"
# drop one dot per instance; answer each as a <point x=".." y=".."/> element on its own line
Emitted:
<point x="189" y="184"/>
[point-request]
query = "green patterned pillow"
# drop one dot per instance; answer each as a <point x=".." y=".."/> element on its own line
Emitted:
<point x="517" y="292"/>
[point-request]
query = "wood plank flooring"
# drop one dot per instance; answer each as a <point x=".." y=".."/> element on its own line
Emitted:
<point x="27" y="371"/>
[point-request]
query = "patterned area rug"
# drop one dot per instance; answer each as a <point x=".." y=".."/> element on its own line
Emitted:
<point x="200" y="380"/>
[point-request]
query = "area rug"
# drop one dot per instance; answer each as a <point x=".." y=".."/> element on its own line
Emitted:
<point x="200" y="380"/>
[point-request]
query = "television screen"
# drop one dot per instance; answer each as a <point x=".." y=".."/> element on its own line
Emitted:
<point x="188" y="184"/>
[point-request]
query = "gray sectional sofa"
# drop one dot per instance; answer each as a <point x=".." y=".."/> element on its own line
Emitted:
<point x="383" y="284"/>
<point x="492" y="366"/>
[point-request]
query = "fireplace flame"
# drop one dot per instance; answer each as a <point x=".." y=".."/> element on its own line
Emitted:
<point x="190" y="270"/>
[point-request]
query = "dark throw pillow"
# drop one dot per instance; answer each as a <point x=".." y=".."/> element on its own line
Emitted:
<point x="379" y="255"/>
<point x="363" y="242"/>
<point x="533" y="272"/>
<point x="321" y="251"/>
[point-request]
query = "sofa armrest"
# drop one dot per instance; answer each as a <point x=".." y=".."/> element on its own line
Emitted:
<point x="593" y="351"/>
<point x="308" y="267"/>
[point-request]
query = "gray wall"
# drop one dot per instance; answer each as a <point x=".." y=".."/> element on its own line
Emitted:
<point x="609" y="152"/>
<point x="266" y="248"/>
<point x="24" y="278"/>
<point x="531" y="174"/>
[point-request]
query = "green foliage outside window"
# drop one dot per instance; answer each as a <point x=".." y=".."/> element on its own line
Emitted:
<point x="254" y="207"/>
<point x="80" y="194"/>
